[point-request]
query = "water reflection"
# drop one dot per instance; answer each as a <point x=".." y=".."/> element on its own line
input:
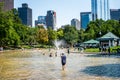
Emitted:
<point x="33" y="65"/>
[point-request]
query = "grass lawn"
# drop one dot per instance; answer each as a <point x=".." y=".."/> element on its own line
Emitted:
<point x="92" y="50"/>
<point x="116" y="47"/>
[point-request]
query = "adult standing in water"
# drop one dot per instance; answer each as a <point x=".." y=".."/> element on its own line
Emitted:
<point x="109" y="51"/>
<point x="63" y="61"/>
<point x="68" y="50"/>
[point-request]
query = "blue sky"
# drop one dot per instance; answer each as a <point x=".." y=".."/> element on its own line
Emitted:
<point x="65" y="9"/>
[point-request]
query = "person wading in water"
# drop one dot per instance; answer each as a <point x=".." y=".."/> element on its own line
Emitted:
<point x="63" y="61"/>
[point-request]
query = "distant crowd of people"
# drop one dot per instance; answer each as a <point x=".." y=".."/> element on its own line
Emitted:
<point x="104" y="49"/>
<point x="109" y="50"/>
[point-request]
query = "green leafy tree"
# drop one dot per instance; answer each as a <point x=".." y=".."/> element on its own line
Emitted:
<point x="81" y="35"/>
<point x="42" y="35"/>
<point x="109" y="26"/>
<point x="60" y="33"/>
<point x="70" y="34"/>
<point x="8" y="34"/>
<point x="98" y="28"/>
<point x="52" y="35"/>
<point x="16" y="16"/>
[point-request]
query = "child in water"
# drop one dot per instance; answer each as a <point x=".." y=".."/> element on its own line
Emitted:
<point x="50" y="55"/>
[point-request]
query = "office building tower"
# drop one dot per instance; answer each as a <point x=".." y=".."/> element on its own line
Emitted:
<point x="41" y="21"/>
<point x="100" y="9"/>
<point x="115" y="14"/>
<point x="25" y="14"/>
<point x="75" y="23"/>
<point x="7" y="4"/>
<point x="51" y="19"/>
<point x="86" y="17"/>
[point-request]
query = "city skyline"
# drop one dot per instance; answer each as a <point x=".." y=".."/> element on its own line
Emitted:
<point x="65" y="10"/>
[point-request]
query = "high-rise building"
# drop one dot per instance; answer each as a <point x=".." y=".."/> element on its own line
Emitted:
<point x="100" y="9"/>
<point x="25" y="14"/>
<point x="7" y="4"/>
<point x="115" y="14"/>
<point x="86" y="17"/>
<point x="51" y="19"/>
<point x="41" y="21"/>
<point x="75" y="23"/>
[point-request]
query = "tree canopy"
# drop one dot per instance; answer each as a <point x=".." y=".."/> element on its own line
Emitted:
<point x="70" y="34"/>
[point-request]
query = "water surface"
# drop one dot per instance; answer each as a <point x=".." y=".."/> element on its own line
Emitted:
<point x="33" y="65"/>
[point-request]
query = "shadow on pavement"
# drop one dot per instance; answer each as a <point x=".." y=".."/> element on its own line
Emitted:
<point x="108" y="70"/>
<point x="104" y="55"/>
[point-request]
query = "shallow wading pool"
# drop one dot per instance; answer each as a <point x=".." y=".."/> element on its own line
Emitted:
<point x="33" y="65"/>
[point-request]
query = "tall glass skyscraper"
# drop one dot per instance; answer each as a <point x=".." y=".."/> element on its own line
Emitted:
<point x="86" y="17"/>
<point x="100" y="9"/>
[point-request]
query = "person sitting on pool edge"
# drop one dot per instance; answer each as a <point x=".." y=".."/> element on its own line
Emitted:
<point x="63" y="61"/>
